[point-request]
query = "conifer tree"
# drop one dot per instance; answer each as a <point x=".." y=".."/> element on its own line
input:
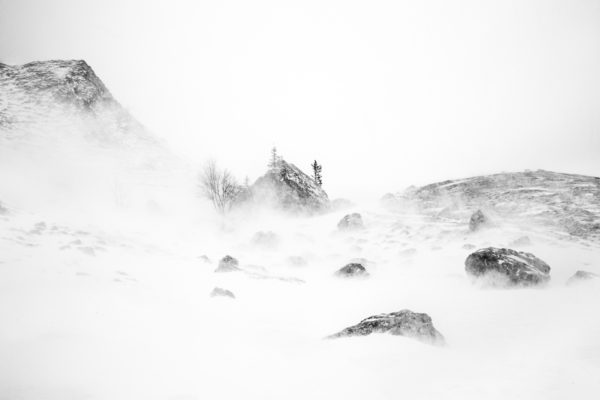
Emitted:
<point x="317" y="173"/>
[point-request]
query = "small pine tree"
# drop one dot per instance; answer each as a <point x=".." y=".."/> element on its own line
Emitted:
<point x="317" y="173"/>
<point x="274" y="161"/>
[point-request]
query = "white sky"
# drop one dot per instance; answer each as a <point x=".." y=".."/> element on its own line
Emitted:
<point x="383" y="93"/>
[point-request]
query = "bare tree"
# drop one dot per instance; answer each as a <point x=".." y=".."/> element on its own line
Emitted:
<point x="219" y="186"/>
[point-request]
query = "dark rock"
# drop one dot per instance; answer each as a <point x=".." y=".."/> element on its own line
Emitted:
<point x="228" y="264"/>
<point x="581" y="276"/>
<point x="507" y="267"/>
<point x="477" y="221"/>
<point x="352" y="270"/>
<point x="265" y="239"/>
<point x="401" y="323"/>
<point x="351" y="222"/>
<point x="220" y="292"/>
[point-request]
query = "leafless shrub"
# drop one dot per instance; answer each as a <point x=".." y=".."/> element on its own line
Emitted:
<point x="219" y="186"/>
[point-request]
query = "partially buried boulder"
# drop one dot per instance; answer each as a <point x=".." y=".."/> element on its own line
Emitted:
<point x="401" y="323"/>
<point x="351" y="222"/>
<point x="220" y="292"/>
<point x="352" y="270"/>
<point x="228" y="264"/>
<point x="581" y="276"/>
<point x="507" y="267"/>
<point x="478" y="220"/>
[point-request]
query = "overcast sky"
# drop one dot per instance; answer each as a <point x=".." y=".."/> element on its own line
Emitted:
<point x="383" y="93"/>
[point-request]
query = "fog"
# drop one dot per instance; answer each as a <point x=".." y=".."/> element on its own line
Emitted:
<point x="109" y="251"/>
<point x="417" y="92"/>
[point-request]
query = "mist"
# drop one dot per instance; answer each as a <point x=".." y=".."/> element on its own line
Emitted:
<point x="416" y="92"/>
<point x="453" y="136"/>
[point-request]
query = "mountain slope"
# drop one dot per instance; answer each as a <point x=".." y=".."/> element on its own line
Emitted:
<point x="53" y="98"/>
<point x="568" y="204"/>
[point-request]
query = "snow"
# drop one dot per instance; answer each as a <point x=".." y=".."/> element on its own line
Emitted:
<point x="137" y="321"/>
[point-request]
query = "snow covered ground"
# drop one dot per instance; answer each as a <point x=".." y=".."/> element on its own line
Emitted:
<point x="116" y="305"/>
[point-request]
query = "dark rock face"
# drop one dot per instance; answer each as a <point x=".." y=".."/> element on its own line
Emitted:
<point x="285" y="186"/>
<point x="511" y="267"/>
<point x="581" y="276"/>
<point x="402" y="323"/>
<point x="351" y="222"/>
<point x="352" y="270"/>
<point x="478" y="220"/>
<point x="228" y="264"/>
<point x="220" y="292"/>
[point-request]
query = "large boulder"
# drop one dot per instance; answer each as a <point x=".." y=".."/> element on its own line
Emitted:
<point x="478" y="220"/>
<point x="228" y="264"/>
<point x="581" y="276"/>
<point x="351" y="222"/>
<point x="285" y="186"/>
<point x="507" y="267"/>
<point x="401" y="323"/>
<point x="352" y="270"/>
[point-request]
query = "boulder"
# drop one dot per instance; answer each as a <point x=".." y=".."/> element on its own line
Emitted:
<point x="228" y="264"/>
<point x="478" y="220"/>
<point x="352" y="270"/>
<point x="581" y="276"/>
<point x="401" y="323"/>
<point x="220" y="292"/>
<point x="351" y="222"/>
<point x="507" y="267"/>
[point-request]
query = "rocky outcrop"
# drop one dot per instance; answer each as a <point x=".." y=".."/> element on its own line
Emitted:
<point x="581" y="276"/>
<point x="62" y="96"/>
<point x="401" y="323"/>
<point x="220" y="292"/>
<point x="477" y="221"/>
<point x="228" y="264"/>
<point x="507" y="267"/>
<point x="351" y="222"/>
<point x="286" y="187"/>
<point x="352" y="270"/>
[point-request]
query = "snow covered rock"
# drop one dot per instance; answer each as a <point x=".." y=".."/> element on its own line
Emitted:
<point x="402" y="323"/>
<point x="507" y="267"/>
<point x="351" y="222"/>
<point x="228" y="264"/>
<point x="352" y="270"/>
<point x="477" y="221"/>
<point x="220" y="292"/>
<point x="581" y="276"/>
<point x="285" y="186"/>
